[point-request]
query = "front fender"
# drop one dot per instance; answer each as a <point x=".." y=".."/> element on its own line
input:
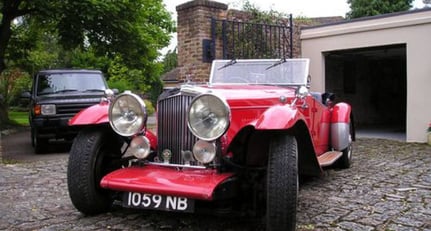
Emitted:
<point x="96" y="114"/>
<point x="278" y="117"/>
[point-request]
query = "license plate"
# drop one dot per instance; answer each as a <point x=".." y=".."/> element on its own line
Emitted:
<point x="157" y="202"/>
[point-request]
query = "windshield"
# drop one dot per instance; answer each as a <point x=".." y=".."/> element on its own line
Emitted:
<point x="69" y="82"/>
<point x="260" y="71"/>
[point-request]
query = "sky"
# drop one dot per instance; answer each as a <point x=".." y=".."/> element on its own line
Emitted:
<point x="306" y="8"/>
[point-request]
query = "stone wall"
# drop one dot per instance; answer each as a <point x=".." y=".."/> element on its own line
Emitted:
<point x="194" y="26"/>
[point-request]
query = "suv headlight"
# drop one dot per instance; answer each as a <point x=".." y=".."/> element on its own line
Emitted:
<point x="208" y="117"/>
<point x="127" y="114"/>
<point x="46" y="109"/>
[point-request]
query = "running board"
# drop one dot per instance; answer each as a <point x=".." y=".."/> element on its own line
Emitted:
<point x="328" y="158"/>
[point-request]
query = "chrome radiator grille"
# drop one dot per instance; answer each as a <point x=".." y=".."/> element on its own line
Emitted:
<point x="172" y="130"/>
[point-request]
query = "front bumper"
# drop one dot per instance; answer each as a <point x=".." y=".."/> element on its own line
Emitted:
<point x="191" y="183"/>
<point x="53" y="127"/>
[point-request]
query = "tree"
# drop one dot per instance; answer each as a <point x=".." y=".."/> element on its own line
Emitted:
<point x="170" y="61"/>
<point x="136" y="30"/>
<point x="363" y="8"/>
<point x="12" y="83"/>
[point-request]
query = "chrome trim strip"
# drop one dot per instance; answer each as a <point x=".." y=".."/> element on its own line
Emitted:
<point x="176" y="165"/>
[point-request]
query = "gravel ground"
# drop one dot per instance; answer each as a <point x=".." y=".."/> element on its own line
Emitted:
<point x="388" y="187"/>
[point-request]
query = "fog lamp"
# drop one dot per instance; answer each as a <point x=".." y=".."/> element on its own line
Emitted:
<point x="204" y="151"/>
<point x="139" y="147"/>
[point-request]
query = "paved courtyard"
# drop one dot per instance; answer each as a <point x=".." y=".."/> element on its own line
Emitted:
<point x="388" y="187"/>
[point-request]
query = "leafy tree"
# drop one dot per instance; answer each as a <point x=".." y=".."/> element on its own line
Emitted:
<point x="123" y="78"/>
<point x="136" y="30"/>
<point x="12" y="83"/>
<point x="261" y="16"/>
<point x="362" y="8"/>
<point x="86" y="59"/>
<point x="170" y="61"/>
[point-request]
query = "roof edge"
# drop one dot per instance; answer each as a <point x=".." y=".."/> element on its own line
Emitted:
<point x="380" y="16"/>
<point x="372" y="23"/>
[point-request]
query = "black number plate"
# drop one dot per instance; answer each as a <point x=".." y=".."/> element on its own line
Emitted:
<point x="158" y="202"/>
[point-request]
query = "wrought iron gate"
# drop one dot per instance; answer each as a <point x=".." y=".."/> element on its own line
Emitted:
<point x="244" y="40"/>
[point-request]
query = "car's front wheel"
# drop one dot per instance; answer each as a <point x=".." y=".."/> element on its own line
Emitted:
<point x="94" y="153"/>
<point x="39" y="144"/>
<point x="282" y="183"/>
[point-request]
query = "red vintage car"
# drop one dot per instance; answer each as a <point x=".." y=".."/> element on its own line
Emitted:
<point x="237" y="143"/>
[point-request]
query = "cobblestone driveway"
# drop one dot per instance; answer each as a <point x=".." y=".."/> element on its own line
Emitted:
<point x="387" y="188"/>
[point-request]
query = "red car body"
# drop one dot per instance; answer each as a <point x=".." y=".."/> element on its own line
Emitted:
<point x="319" y="132"/>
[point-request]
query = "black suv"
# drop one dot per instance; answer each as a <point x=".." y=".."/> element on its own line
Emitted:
<point x="56" y="96"/>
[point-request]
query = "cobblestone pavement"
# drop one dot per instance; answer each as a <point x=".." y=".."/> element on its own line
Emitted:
<point x="388" y="187"/>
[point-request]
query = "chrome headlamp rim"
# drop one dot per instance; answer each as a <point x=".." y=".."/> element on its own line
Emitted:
<point x="225" y="108"/>
<point x="142" y="108"/>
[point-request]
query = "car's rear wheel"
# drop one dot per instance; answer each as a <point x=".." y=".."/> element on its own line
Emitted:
<point x="282" y="184"/>
<point x="93" y="154"/>
<point x="346" y="159"/>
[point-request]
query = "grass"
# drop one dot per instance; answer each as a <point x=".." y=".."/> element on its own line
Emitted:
<point x="19" y="118"/>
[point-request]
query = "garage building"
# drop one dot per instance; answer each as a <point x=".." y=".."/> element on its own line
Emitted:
<point x="381" y="65"/>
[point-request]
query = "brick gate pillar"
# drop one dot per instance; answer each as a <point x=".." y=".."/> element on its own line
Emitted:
<point x="193" y="26"/>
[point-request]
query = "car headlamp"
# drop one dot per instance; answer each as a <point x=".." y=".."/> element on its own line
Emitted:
<point x="47" y="109"/>
<point x="127" y="114"/>
<point x="204" y="151"/>
<point x="208" y="117"/>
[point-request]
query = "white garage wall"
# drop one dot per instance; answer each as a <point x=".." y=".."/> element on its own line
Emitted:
<point x="412" y="28"/>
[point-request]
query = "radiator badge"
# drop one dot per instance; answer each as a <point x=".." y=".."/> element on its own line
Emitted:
<point x="166" y="155"/>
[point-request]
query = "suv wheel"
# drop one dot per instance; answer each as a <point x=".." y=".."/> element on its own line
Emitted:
<point x="282" y="184"/>
<point x="39" y="144"/>
<point x="93" y="154"/>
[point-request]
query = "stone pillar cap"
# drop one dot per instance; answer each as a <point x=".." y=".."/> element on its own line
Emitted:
<point x="206" y="3"/>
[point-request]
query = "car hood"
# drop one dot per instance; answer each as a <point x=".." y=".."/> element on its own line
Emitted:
<point x="74" y="97"/>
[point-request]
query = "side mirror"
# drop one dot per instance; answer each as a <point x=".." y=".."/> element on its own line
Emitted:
<point x="25" y="95"/>
<point x="302" y="92"/>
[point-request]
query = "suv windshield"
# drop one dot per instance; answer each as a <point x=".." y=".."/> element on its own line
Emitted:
<point x="263" y="71"/>
<point x="69" y="82"/>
